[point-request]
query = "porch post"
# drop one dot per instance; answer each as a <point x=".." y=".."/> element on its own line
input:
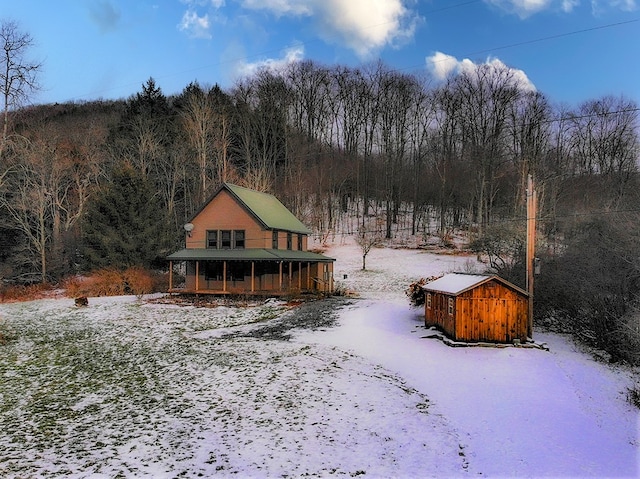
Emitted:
<point x="280" y="277"/>
<point x="197" y="275"/>
<point x="253" y="276"/>
<point x="224" y="276"/>
<point x="300" y="275"/>
<point x="170" y="275"/>
<point x="290" y="274"/>
<point x="308" y="276"/>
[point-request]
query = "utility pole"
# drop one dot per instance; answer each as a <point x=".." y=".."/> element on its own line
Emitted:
<point x="532" y="203"/>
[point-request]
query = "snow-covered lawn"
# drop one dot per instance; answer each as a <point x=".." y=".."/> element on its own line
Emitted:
<point x="129" y="388"/>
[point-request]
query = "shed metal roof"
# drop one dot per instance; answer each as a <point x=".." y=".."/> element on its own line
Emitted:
<point x="457" y="283"/>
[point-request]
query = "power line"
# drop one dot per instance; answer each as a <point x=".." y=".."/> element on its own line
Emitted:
<point x="553" y="37"/>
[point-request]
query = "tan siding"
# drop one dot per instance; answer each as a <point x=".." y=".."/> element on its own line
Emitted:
<point x="224" y="213"/>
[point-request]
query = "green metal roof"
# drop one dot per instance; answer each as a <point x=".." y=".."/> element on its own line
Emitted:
<point x="251" y="254"/>
<point x="266" y="208"/>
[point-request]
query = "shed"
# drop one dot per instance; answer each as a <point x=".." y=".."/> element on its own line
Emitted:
<point x="475" y="308"/>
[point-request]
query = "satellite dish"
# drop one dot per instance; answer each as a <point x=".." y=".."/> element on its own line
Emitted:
<point x="188" y="227"/>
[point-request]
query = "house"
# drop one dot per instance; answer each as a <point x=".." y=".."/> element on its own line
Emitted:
<point x="471" y="307"/>
<point x="245" y="241"/>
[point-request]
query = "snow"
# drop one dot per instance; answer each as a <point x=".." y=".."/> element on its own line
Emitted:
<point x="455" y="283"/>
<point x="129" y="388"/>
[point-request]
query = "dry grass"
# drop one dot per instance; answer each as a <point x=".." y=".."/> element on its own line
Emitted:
<point x="15" y="293"/>
<point x="113" y="282"/>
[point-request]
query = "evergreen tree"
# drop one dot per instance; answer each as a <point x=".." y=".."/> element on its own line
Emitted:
<point x="125" y="224"/>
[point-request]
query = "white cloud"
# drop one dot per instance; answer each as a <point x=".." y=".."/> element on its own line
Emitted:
<point x="204" y="3"/>
<point x="625" y="5"/>
<point x="442" y="66"/>
<point x="364" y="26"/>
<point x="292" y="55"/>
<point x="195" y="26"/>
<point x="568" y="5"/>
<point x="526" y="8"/>
<point x="522" y="8"/>
<point x="281" y="7"/>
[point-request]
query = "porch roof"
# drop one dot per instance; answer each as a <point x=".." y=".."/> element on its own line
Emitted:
<point x="251" y="254"/>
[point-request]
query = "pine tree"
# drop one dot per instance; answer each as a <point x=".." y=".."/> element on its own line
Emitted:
<point x="125" y="224"/>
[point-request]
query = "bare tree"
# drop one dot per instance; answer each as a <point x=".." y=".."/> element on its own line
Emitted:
<point x="530" y="125"/>
<point x="486" y="95"/>
<point x="367" y="239"/>
<point x="197" y="118"/>
<point x="18" y="75"/>
<point x="605" y="138"/>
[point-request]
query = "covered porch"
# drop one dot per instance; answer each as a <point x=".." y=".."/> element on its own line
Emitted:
<point x="252" y="271"/>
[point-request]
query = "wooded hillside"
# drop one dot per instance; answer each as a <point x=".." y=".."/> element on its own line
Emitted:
<point x="330" y="142"/>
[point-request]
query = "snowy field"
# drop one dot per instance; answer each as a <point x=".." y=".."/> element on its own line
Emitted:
<point x="337" y="388"/>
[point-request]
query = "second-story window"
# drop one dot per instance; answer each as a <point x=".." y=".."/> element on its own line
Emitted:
<point x="212" y="239"/>
<point x="274" y="239"/>
<point x="289" y="241"/>
<point x="238" y="239"/>
<point x="225" y="239"/>
<point x="300" y="243"/>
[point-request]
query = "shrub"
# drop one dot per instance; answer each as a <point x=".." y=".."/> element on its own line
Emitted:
<point x="113" y="282"/>
<point x="137" y="281"/>
<point x="415" y="291"/>
<point x="590" y="288"/>
<point x="21" y="292"/>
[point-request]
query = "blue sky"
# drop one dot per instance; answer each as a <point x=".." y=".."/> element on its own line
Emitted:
<point x="571" y="50"/>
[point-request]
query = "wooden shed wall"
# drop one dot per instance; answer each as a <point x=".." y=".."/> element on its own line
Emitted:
<point x="438" y="314"/>
<point x="489" y="312"/>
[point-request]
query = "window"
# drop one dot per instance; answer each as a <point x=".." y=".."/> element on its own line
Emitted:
<point x="300" y="243"/>
<point x="212" y="239"/>
<point x="225" y="239"/>
<point x="213" y="270"/>
<point x="237" y="270"/>
<point x="274" y="239"/>
<point x="428" y="300"/>
<point x="238" y="239"/>
<point x="450" y="306"/>
<point x="289" y="241"/>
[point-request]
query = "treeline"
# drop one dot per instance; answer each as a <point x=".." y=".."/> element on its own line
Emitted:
<point x="330" y="141"/>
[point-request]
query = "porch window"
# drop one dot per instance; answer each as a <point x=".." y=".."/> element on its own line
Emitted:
<point x="274" y="239"/>
<point x="237" y="270"/>
<point x="213" y="270"/>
